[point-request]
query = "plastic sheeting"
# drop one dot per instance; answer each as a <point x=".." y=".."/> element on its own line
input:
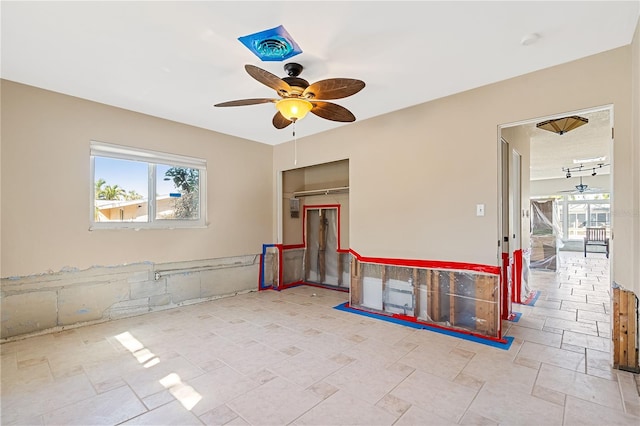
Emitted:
<point x="322" y="247"/>
<point x="292" y="265"/>
<point x="399" y="296"/>
<point x="526" y="269"/>
<point x="453" y="299"/>
<point x="546" y="234"/>
<point x="319" y="262"/>
<point x="345" y="259"/>
<point x="270" y="266"/>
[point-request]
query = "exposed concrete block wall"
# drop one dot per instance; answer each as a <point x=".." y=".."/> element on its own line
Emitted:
<point x="51" y="302"/>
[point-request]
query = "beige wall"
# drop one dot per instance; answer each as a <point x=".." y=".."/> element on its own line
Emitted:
<point x="416" y="175"/>
<point x="45" y="167"/>
<point x="292" y="180"/>
<point x="330" y="175"/>
<point x="323" y="176"/>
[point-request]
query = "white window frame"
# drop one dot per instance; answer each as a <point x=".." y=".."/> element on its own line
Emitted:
<point x="588" y="203"/>
<point x="152" y="158"/>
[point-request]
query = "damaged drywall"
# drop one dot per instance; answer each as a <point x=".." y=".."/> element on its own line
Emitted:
<point x="70" y="297"/>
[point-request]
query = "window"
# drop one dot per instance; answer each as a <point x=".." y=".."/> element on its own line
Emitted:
<point x="600" y="216"/>
<point x="591" y="210"/>
<point x="577" y="212"/>
<point x="134" y="188"/>
<point x="577" y="220"/>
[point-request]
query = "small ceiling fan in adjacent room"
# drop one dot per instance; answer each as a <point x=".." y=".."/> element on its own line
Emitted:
<point x="581" y="188"/>
<point x="297" y="97"/>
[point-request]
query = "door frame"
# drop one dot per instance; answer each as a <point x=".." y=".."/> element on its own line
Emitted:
<point x="611" y="151"/>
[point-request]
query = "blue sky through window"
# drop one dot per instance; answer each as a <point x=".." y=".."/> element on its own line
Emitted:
<point x="131" y="175"/>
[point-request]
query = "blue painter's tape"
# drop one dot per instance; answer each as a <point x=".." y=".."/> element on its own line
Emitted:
<point x="492" y="343"/>
<point x="533" y="301"/>
<point x="264" y="255"/>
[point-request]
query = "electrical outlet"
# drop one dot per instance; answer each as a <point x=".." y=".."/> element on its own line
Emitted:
<point x="479" y="209"/>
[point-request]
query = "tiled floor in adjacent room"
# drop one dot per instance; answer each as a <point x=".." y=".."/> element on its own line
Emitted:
<point x="290" y="358"/>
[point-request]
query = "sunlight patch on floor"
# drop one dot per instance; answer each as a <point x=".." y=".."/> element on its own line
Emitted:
<point x="185" y="394"/>
<point x="142" y="354"/>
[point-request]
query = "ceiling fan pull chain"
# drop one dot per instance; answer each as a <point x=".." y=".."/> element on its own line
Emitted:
<point x="295" y="145"/>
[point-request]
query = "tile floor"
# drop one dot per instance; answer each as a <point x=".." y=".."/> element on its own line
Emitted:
<point x="289" y="358"/>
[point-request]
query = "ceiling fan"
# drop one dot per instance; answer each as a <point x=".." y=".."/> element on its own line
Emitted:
<point x="581" y="189"/>
<point x="297" y="97"/>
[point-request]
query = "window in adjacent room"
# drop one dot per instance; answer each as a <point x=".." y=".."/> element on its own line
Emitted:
<point x="135" y="188"/>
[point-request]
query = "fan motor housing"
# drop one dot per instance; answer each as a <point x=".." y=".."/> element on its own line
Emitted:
<point x="297" y="83"/>
<point x="293" y="70"/>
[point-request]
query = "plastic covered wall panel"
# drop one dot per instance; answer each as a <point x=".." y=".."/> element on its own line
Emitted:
<point x="322" y="265"/>
<point x="398" y="298"/>
<point x="372" y="293"/>
<point x="292" y="265"/>
<point x="466" y="300"/>
<point x="372" y="286"/>
<point x="270" y="265"/>
<point x="399" y="294"/>
<point x="344" y="277"/>
<point x="331" y="249"/>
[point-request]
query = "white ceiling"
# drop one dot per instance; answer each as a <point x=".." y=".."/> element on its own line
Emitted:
<point x="174" y="60"/>
<point x="551" y="152"/>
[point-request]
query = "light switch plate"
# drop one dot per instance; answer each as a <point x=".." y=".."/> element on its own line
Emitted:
<point x="479" y="209"/>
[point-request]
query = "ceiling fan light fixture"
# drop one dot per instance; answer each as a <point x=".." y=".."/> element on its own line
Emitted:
<point x="294" y="109"/>
<point x="563" y="125"/>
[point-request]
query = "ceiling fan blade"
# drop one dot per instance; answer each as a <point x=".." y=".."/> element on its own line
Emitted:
<point x="333" y="88"/>
<point x="578" y="191"/>
<point x="269" y="80"/>
<point x="243" y="102"/>
<point x="332" y="111"/>
<point x="279" y="122"/>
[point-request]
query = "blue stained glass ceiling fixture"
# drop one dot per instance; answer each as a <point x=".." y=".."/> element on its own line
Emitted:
<point x="274" y="44"/>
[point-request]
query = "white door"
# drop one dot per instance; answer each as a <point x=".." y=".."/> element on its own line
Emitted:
<point x="515" y="202"/>
<point x="506" y="199"/>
